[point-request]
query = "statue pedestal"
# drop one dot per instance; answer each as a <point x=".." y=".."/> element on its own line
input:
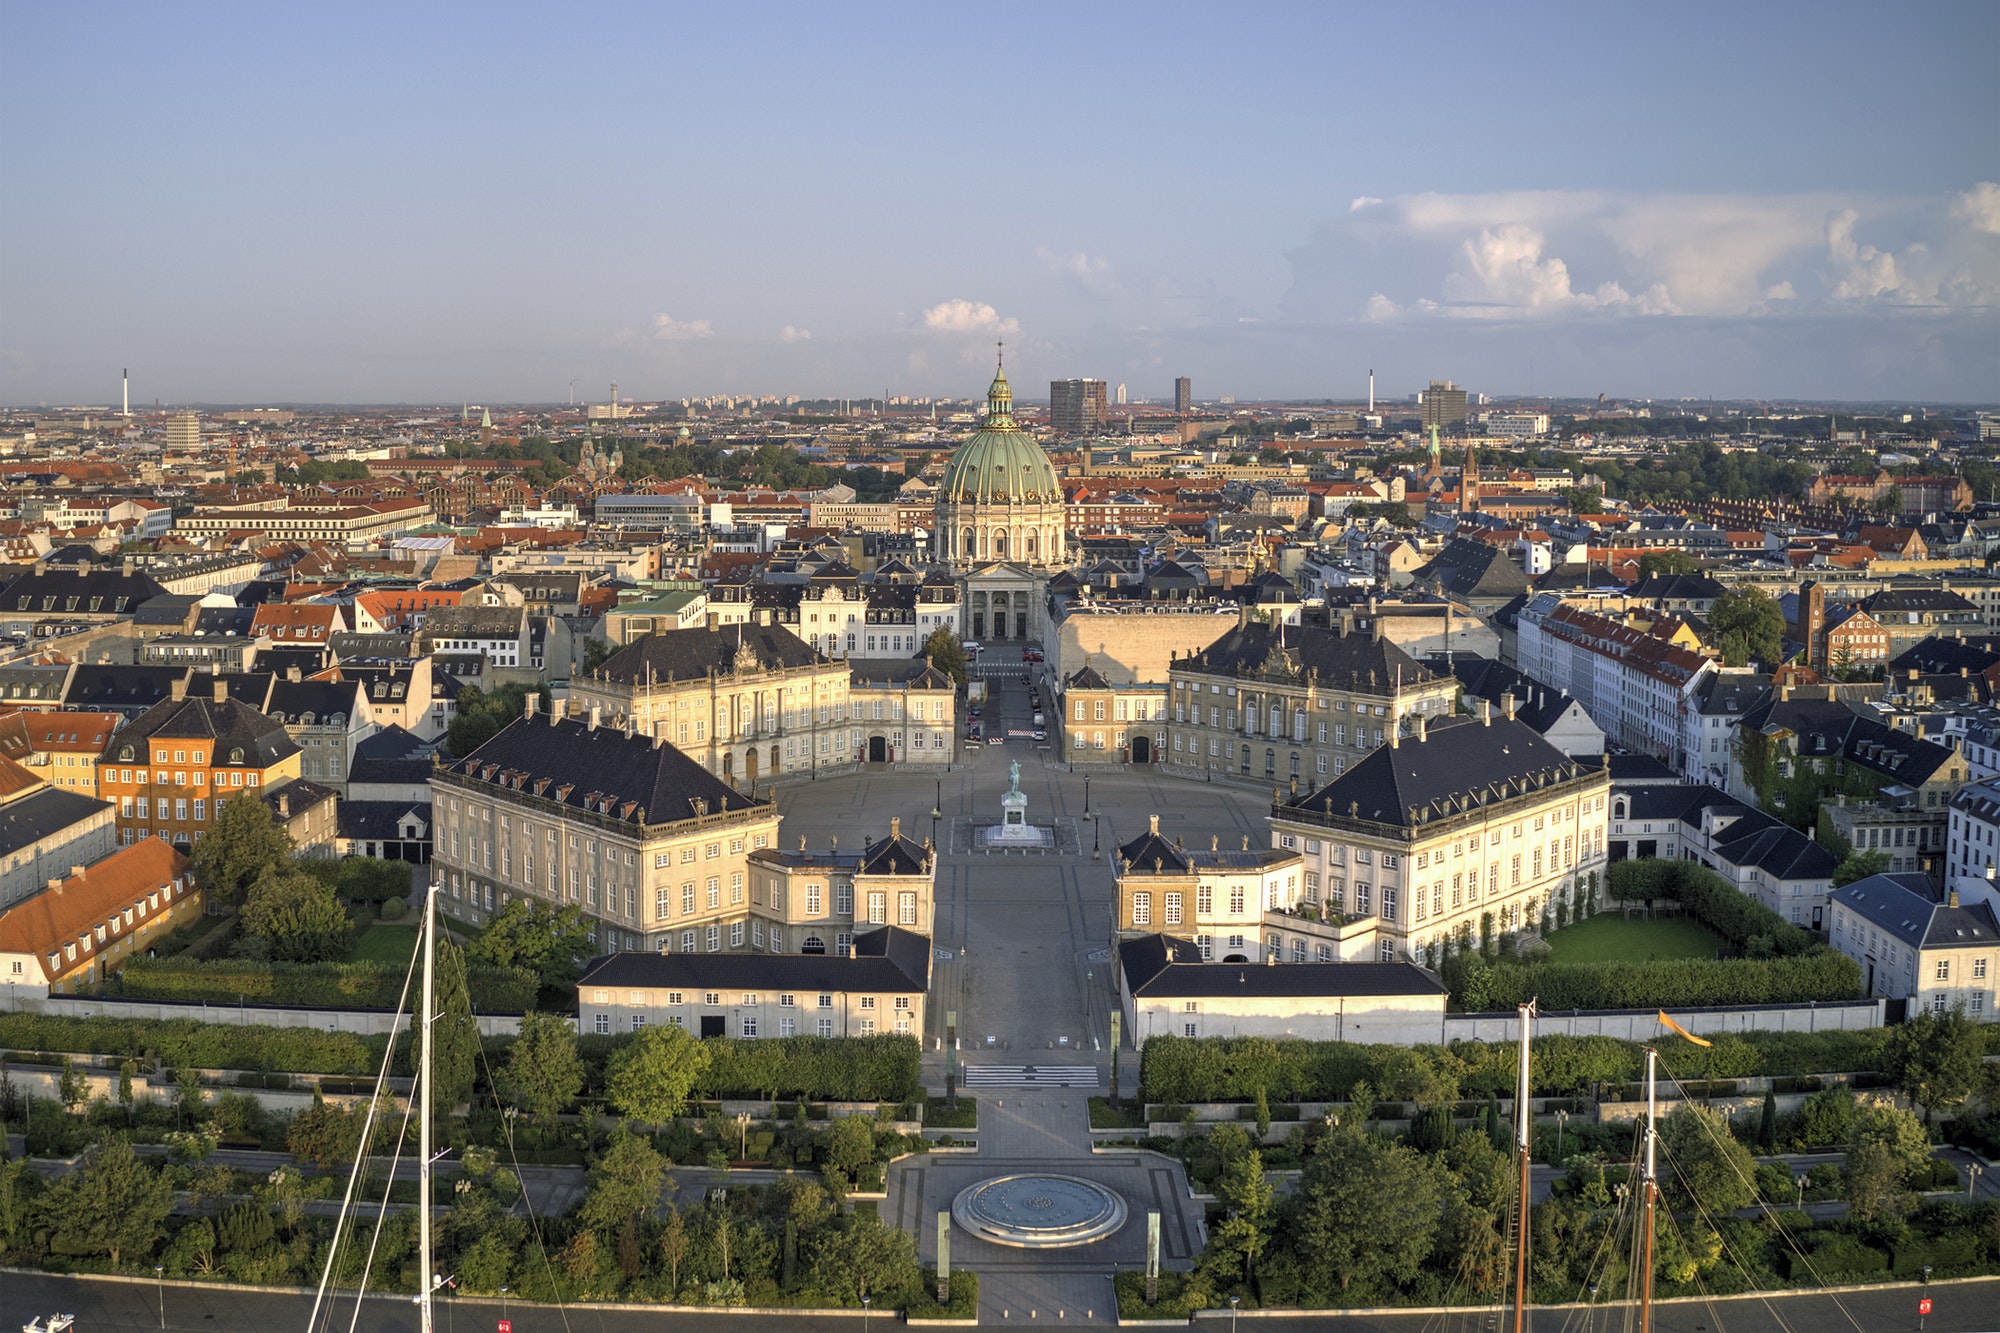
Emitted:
<point x="1014" y="830"/>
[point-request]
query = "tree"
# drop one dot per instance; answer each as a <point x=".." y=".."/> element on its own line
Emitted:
<point x="481" y="715"/>
<point x="674" y="1245"/>
<point x="1583" y="500"/>
<point x="113" y="1203"/>
<point x="596" y="652"/>
<point x="850" y="1145"/>
<point x="295" y="918"/>
<point x="1887" y="1147"/>
<point x="543" y="1074"/>
<point x="1747" y="624"/>
<point x="1340" y="1229"/>
<point x="1937" y="1058"/>
<point x="1859" y="865"/>
<point x="1246" y="1232"/>
<point x="860" y="1257"/>
<point x="242" y="842"/>
<point x="454" y="1034"/>
<point x="1707" y="1166"/>
<point x="550" y="941"/>
<point x="71" y="1088"/>
<point x="622" y="1184"/>
<point x="1767" y="1124"/>
<point x="650" y="1077"/>
<point x="947" y="654"/>
<point x="1665" y="562"/>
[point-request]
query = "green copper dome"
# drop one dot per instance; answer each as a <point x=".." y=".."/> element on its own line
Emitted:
<point x="1001" y="464"/>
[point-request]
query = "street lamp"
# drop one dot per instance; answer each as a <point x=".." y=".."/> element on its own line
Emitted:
<point x="1234" y="1301"/>
<point x="160" y="1280"/>
<point x="1562" y="1117"/>
<point x="866" y="1301"/>
<point x="1802" y="1192"/>
<point x="1086" y="797"/>
<point x="1973" y="1171"/>
<point x="1921" y="1316"/>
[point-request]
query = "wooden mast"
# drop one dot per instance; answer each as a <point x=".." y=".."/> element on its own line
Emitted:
<point x="1524" y="1120"/>
<point x="1652" y="1194"/>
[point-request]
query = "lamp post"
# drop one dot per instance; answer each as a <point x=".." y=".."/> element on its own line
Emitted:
<point x="742" y="1135"/>
<point x="160" y="1281"/>
<point x="866" y="1301"/>
<point x="1562" y="1118"/>
<point x="1086" y="796"/>
<point x="1802" y="1192"/>
<point x="937" y="813"/>
<point x="1972" y="1173"/>
<point x="1921" y="1315"/>
<point x="1234" y="1301"/>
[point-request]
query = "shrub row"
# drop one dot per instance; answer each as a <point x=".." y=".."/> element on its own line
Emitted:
<point x="885" y="1068"/>
<point x="189" y="1042"/>
<point x="359" y="985"/>
<point x="1740" y="919"/>
<point x="1674" y="983"/>
<point x="1220" y="1069"/>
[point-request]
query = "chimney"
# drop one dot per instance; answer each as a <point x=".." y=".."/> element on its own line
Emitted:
<point x="284" y="805"/>
<point x="1375" y="625"/>
<point x="1422" y="732"/>
<point x="178" y="690"/>
<point x="130" y="567"/>
<point x="77" y="872"/>
<point x="221" y="694"/>
<point x="1951" y="899"/>
<point x="1395" y="738"/>
<point x="1507" y="705"/>
<point x="528" y="702"/>
<point x="1831" y="693"/>
<point x="55" y="886"/>
<point x="596" y="716"/>
<point x="294" y="674"/>
<point x="1486" y="712"/>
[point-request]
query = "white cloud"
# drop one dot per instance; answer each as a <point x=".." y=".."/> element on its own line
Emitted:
<point x="1363" y="201"/>
<point x="1859" y="270"/>
<point x="1979" y="208"/>
<point x="1380" y="308"/>
<point x="1078" y="265"/>
<point x="961" y="316"/>
<point x="668" y="329"/>
<point x="1780" y="292"/>
<point x="792" y="334"/>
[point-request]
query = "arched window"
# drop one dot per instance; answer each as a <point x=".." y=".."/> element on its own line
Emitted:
<point x="1031" y="544"/>
<point x="236" y="755"/>
<point x="1000" y="544"/>
<point x="969" y="548"/>
<point x="125" y="753"/>
<point x="813" y="944"/>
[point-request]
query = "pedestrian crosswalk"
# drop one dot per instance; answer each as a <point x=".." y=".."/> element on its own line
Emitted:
<point x="1031" y="1076"/>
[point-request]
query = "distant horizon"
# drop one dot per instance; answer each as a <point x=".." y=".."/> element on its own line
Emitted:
<point x="373" y="205"/>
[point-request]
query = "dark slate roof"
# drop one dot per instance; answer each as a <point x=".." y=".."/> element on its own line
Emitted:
<point x="41" y="683"/>
<point x="231" y="725"/>
<point x="1638" y="769"/>
<point x="1825" y="727"/>
<point x="1460" y="761"/>
<point x="887" y="960"/>
<point x="1938" y="601"/>
<point x="894" y="855"/>
<point x="1901" y="905"/>
<point x="106" y="688"/>
<point x="580" y="761"/>
<point x="1165" y="967"/>
<point x="1534" y="703"/>
<point x="28" y="819"/>
<point x="1730" y="693"/>
<point x="301" y="795"/>
<point x="916" y="673"/>
<point x="1779" y="850"/>
<point x="166" y="609"/>
<point x="60" y="591"/>
<point x="1468" y="568"/>
<point x="347" y="643"/>
<point x="1149" y="847"/>
<point x="377" y="820"/>
<point x="292" y="700"/>
<point x="1087" y="678"/>
<point x="308" y="658"/>
<point x="247" y="687"/>
<point x="473" y="622"/>
<point x="1677" y="587"/>
<point x="1936" y="656"/>
<point x="392" y="755"/>
<point x="689" y="654"/>
<point x="1679" y="801"/>
<point x="1353" y="661"/>
<point x="224" y="621"/>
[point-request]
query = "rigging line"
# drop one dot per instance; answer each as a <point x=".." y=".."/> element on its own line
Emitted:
<point x="1599" y="1263"/>
<point x="381" y="1215"/>
<point x="527" y="1200"/>
<point x="361" y="1149"/>
<point x="1784" y="1232"/>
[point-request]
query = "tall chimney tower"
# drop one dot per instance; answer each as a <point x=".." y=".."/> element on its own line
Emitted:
<point x="1371" y="391"/>
<point x="126" y="376"/>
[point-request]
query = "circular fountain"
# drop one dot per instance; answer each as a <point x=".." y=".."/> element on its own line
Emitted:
<point x="1038" y="1211"/>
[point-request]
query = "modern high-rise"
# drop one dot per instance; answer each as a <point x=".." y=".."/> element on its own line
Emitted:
<point x="184" y="431"/>
<point x="1443" y="404"/>
<point x="1121" y="395"/>
<point x="1183" y="395"/>
<point x="1077" y="407"/>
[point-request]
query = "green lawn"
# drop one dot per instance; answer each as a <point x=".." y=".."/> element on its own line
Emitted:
<point x="384" y="943"/>
<point x="1609" y="937"/>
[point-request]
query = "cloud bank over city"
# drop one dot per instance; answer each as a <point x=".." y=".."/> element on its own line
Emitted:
<point x="870" y="220"/>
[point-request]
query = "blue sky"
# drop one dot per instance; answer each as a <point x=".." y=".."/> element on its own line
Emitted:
<point x="435" y="203"/>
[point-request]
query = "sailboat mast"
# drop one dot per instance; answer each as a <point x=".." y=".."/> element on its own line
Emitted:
<point x="1524" y="1121"/>
<point x="1652" y="1193"/>
<point x="425" y="1270"/>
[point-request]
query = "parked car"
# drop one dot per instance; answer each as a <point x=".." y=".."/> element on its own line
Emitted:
<point x="1032" y="655"/>
<point x="1040" y="734"/>
<point x="971" y="649"/>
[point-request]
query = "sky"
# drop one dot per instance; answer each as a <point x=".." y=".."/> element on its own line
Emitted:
<point x="513" y="203"/>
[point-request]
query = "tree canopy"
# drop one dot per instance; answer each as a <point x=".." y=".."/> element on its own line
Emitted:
<point x="242" y="843"/>
<point x="947" y="654"/>
<point x="651" y="1077"/>
<point x="1937" y="1058"/>
<point x="113" y="1203"/>
<point x="295" y="918"/>
<point x="543" y="1074"/>
<point x="481" y="715"/>
<point x="548" y="940"/>
<point x="1747" y="624"/>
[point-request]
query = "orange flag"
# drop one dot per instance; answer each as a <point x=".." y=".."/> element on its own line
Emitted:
<point x="1669" y="1023"/>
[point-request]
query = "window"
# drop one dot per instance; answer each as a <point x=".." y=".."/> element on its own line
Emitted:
<point x="603" y="1024"/>
<point x="1173" y="909"/>
<point x="715" y="939"/>
<point x="747" y="1025"/>
<point x="1944" y="969"/>
<point x="1979" y="969"/>
<point x="1142" y="909"/>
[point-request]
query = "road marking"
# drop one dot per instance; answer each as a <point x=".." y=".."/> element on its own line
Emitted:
<point x="1031" y="1076"/>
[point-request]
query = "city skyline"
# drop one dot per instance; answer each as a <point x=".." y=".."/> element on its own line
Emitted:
<point x="250" y="206"/>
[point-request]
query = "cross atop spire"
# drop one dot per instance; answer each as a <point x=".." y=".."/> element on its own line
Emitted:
<point x="1000" y="357"/>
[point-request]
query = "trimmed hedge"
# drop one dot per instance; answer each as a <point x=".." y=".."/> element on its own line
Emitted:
<point x="1227" y="1069"/>
<point x="1712" y="900"/>
<point x="1673" y="983"/>
<point x="189" y="1042"/>
<point x="882" y="1068"/>
<point x="358" y="985"/>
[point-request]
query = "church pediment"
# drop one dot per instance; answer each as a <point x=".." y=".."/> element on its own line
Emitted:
<point x="998" y="570"/>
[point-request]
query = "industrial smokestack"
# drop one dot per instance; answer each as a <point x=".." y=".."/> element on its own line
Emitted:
<point x="1371" y="391"/>
<point x="126" y="376"/>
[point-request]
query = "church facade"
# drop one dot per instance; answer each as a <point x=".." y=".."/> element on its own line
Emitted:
<point x="999" y="525"/>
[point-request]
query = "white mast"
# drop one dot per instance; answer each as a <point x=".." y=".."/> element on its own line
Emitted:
<point x="427" y="1280"/>
<point x="1652" y="1188"/>
<point x="1524" y="1118"/>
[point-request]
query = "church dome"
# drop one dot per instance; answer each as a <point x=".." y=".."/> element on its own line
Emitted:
<point x="1001" y="464"/>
